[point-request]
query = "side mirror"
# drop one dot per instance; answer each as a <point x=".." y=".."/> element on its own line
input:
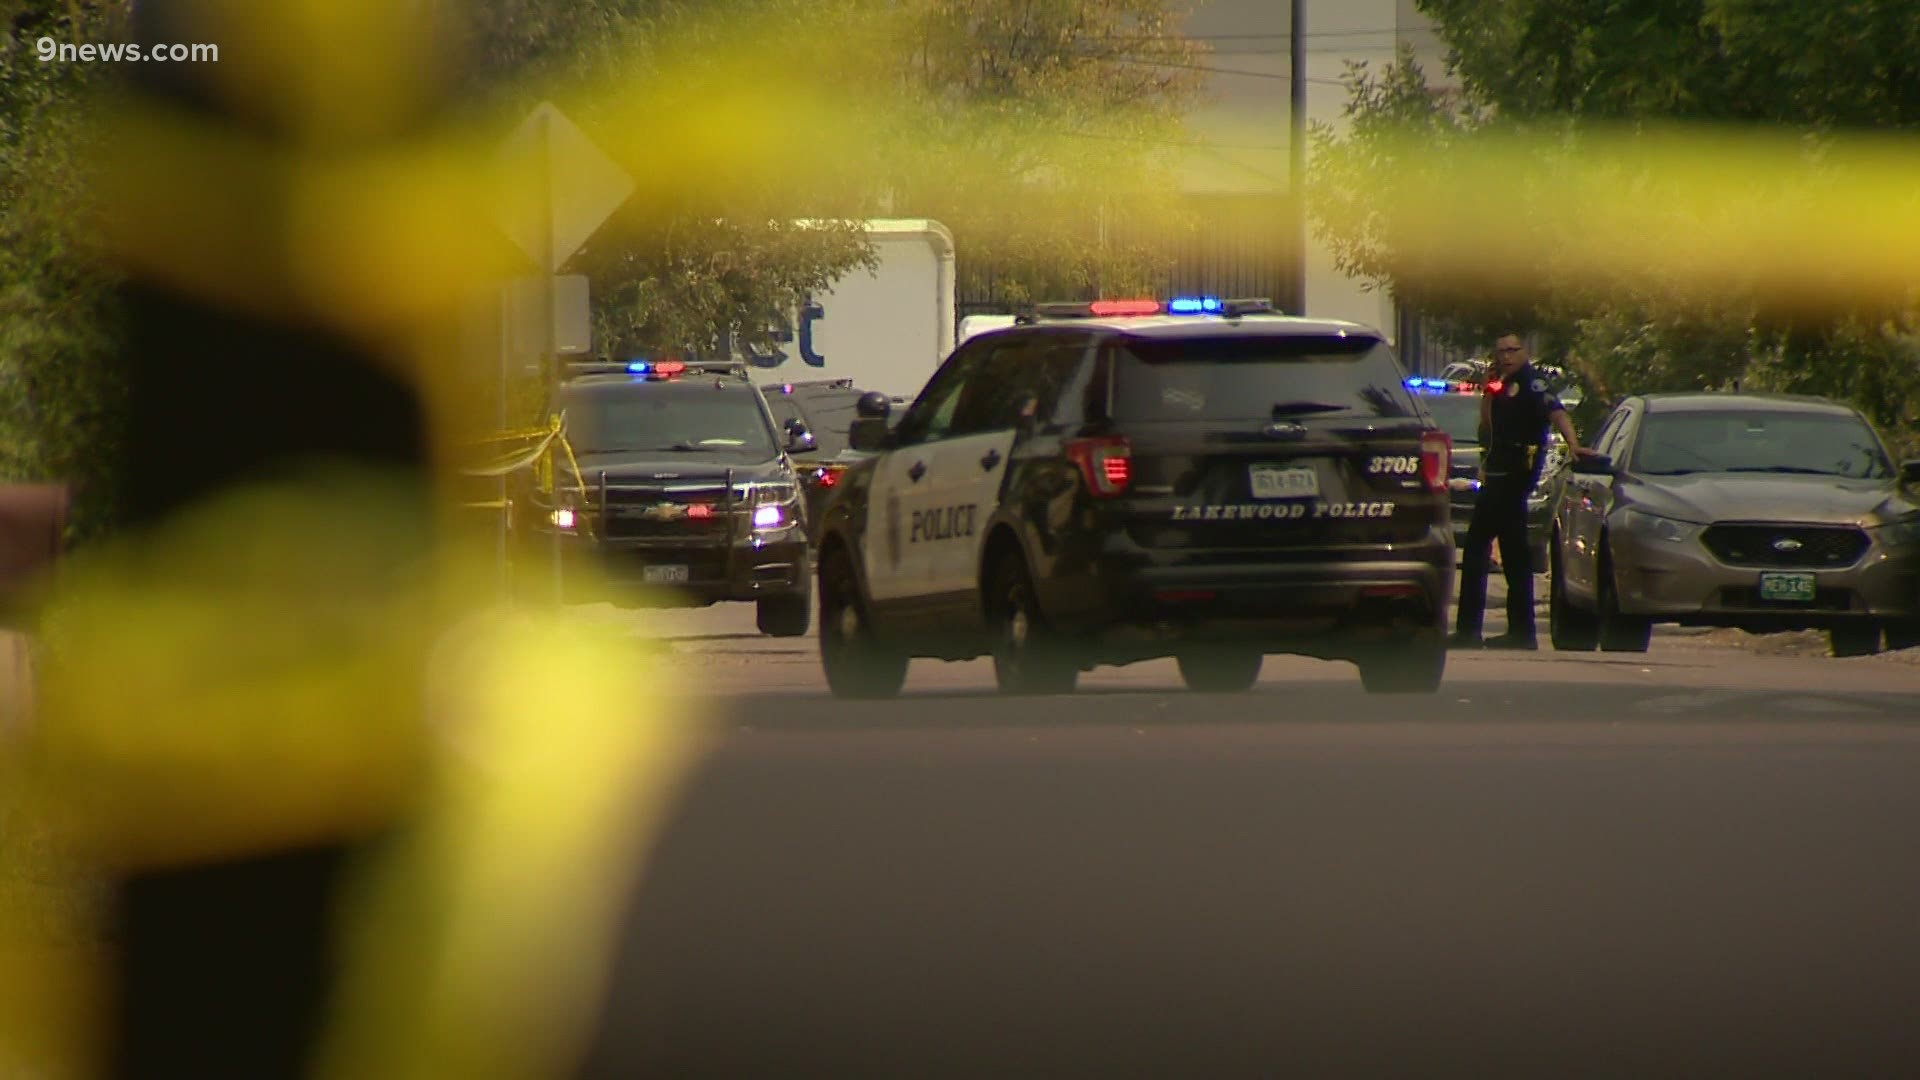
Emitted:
<point x="869" y="433"/>
<point x="1598" y="465"/>
<point x="1910" y="471"/>
<point x="872" y="405"/>
<point x="799" y="439"/>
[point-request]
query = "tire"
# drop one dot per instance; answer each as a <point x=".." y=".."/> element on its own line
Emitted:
<point x="1220" y="671"/>
<point x="856" y="665"/>
<point x="1859" y="638"/>
<point x="1903" y="635"/>
<point x="1414" y="667"/>
<point x="1569" y="628"/>
<point x="1027" y="657"/>
<point x="785" y="616"/>
<point x="1619" y="632"/>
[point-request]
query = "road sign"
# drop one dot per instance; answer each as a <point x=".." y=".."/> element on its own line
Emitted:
<point x="560" y="187"/>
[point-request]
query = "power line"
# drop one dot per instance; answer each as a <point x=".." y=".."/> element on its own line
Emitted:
<point x="1279" y="36"/>
<point x="1196" y="144"/>
<point x="1209" y="69"/>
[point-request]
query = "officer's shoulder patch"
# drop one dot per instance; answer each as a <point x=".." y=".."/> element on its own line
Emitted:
<point x="1539" y="386"/>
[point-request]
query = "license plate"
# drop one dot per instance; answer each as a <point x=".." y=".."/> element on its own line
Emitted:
<point x="664" y="575"/>
<point x="1793" y="587"/>
<point x="1274" y="482"/>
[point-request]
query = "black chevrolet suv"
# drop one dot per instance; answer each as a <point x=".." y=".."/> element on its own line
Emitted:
<point x="686" y="493"/>
<point x="1114" y="482"/>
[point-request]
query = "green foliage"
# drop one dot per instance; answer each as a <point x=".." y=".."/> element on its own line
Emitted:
<point x="1063" y="190"/>
<point x="58" y="383"/>
<point x="1550" y="69"/>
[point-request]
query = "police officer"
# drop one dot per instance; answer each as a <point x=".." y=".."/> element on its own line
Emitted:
<point x="1514" y="416"/>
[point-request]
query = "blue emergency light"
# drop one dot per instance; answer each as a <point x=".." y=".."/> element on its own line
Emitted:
<point x="639" y="367"/>
<point x="1194" y="305"/>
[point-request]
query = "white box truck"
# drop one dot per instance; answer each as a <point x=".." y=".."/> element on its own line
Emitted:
<point x="887" y="328"/>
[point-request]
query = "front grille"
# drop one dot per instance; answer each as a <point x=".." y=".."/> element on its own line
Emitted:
<point x="658" y="513"/>
<point x="1786" y="546"/>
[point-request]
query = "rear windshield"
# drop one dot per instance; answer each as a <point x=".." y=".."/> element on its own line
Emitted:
<point x="1243" y="378"/>
<point x="827" y="413"/>
<point x="1456" y="414"/>
<point x="685" y="419"/>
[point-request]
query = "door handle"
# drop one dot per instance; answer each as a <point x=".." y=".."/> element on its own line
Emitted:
<point x="918" y="470"/>
<point x="992" y="459"/>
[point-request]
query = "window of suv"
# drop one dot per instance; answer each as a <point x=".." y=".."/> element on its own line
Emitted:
<point x="684" y="418"/>
<point x="828" y="412"/>
<point x="1257" y="378"/>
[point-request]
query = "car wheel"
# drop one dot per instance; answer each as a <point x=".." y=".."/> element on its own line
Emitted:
<point x="784" y="616"/>
<point x="1858" y="638"/>
<point x="1569" y="628"/>
<point x="1412" y="667"/>
<point x="1619" y="632"/>
<point x="1904" y="634"/>
<point x="1027" y="657"/>
<point x="1220" y="671"/>
<point x="856" y="665"/>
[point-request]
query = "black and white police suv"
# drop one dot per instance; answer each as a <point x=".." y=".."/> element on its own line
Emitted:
<point x="1125" y="480"/>
<point x="686" y="492"/>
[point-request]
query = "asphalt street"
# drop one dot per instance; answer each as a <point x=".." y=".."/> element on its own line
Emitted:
<point x="1697" y="859"/>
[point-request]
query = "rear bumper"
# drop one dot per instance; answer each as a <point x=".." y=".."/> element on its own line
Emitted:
<point x="1137" y="602"/>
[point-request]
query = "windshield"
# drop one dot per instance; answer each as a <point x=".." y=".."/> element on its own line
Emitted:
<point x="1457" y="414"/>
<point x="1761" y="442"/>
<point x="669" y="419"/>
<point x="1258" y="378"/>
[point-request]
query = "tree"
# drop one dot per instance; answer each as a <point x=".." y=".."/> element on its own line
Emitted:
<point x="1542" y="74"/>
<point x="58" y="384"/>
<point x="1047" y="152"/>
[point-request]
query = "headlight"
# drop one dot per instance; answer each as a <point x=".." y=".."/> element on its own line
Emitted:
<point x="1900" y="533"/>
<point x="562" y="518"/>
<point x="1658" y="527"/>
<point x="775" y="505"/>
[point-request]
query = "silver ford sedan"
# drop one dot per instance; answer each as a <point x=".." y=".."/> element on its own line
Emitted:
<point x="1754" y="511"/>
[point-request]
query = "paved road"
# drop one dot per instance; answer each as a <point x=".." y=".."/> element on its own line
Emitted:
<point x="1695" y="860"/>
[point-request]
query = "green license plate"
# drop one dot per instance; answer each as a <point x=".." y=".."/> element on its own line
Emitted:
<point x="1791" y="587"/>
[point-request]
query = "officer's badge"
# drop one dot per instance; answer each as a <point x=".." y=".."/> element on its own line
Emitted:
<point x="1513" y="389"/>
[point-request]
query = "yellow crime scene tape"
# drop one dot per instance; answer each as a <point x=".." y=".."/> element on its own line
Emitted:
<point x="187" y="715"/>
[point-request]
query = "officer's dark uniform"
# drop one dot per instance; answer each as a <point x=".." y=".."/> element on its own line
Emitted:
<point x="1522" y="411"/>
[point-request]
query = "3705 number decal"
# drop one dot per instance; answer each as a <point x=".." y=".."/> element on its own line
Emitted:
<point x="1393" y="465"/>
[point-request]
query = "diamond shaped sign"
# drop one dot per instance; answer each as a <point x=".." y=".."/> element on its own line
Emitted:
<point x="560" y="187"/>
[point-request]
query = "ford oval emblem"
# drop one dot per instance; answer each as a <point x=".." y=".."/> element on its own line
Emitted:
<point x="1787" y="543"/>
<point x="1285" y="429"/>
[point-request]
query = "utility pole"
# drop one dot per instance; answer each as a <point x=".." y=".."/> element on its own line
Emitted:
<point x="1297" y="154"/>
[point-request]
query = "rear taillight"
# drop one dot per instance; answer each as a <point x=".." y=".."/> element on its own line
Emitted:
<point x="1106" y="463"/>
<point x="1436" y="459"/>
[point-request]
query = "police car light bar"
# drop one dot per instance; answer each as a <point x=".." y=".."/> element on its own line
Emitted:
<point x="1194" y="305"/>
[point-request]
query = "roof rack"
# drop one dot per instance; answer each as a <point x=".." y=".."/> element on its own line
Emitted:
<point x="833" y="384"/>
